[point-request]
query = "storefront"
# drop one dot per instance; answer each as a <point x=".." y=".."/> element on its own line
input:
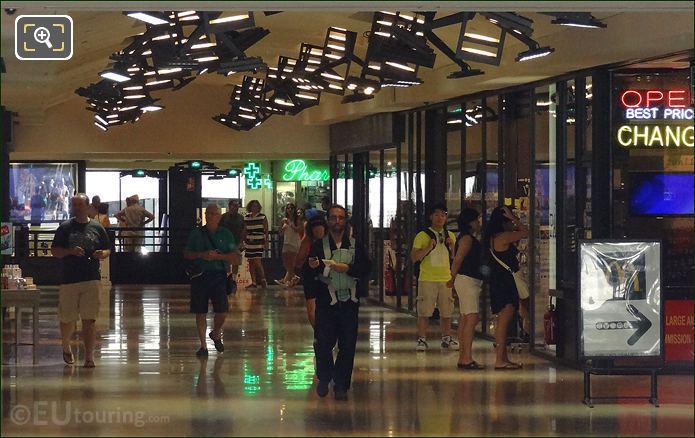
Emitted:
<point x="652" y="184"/>
<point x="304" y="183"/>
<point x="576" y="157"/>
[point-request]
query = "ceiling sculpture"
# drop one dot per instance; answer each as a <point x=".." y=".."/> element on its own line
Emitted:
<point x="176" y="47"/>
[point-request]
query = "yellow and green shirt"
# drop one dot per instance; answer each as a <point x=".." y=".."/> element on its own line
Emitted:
<point x="436" y="266"/>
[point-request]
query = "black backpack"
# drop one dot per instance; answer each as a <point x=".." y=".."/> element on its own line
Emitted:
<point x="430" y="233"/>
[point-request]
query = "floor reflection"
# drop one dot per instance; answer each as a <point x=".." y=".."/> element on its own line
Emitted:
<point x="149" y="382"/>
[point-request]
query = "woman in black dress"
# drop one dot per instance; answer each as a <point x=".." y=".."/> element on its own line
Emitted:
<point x="502" y="231"/>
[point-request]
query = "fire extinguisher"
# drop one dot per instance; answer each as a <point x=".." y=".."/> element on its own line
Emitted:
<point x="550" y="323"/>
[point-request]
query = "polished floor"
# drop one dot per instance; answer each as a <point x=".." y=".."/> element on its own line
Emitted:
<point x="149" y="382"/>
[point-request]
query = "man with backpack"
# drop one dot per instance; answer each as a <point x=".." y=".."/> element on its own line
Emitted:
<point x="431" y="254"/>
<point x="334" y="265"/>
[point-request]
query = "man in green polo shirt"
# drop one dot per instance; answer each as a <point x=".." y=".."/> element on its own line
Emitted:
<point x="212" y="248"/>
<point x="433" y="248"/>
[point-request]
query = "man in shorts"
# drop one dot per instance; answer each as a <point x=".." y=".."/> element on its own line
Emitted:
<point x="80" y="243"/>
<point x="212" y="248"/>
<point x="432" y="248"/>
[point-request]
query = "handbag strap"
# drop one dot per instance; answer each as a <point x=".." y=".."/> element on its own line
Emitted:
<point x="207" y="234"/>
<point x="504" y="265"/>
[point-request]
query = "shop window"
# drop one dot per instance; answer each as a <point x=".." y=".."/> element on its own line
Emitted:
<point x="543" y="233"/>
<point x="456" y="118"/>
<point x="653" y="165"/>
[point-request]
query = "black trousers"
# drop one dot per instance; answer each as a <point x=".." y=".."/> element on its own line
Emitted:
<point x="337" y="323"/>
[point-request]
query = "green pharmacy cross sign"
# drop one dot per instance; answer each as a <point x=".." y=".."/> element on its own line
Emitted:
<point x="302" y="170"/>
<point x="254" y="183"/>
<point x="254" y="179"/>
<point x="252" y="171"/>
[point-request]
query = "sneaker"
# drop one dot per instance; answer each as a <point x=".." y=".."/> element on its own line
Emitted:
<point x="322" y="388"/>
<point x="218" y="343"/>
<point x="339" y="394"/>
<point x="421" y="345"/>
<point x="449" y="343"/>
<point x="280" y="282"/>
<point x="202" y="352"/>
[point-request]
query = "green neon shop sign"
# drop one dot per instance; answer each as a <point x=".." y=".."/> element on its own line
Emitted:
<point x="252" y="172"/>
<point x="302" y="170"/>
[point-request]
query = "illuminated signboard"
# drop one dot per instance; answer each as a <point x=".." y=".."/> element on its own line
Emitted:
<point x="655" y="118"/>
<point x="301" y="170"/>
<point x="252" y="172"/>
<point x="254" y="178"/>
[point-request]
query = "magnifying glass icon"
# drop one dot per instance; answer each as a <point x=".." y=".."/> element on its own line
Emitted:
<point x="43" y="36"/>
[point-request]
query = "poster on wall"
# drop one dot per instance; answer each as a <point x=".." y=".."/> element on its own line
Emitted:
<point x="620" y="297"/>
<point x="678" y="331"/>
<point x="7" y="238"/>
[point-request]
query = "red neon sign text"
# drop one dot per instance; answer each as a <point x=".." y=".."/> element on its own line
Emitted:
<point x="648" y="98"/>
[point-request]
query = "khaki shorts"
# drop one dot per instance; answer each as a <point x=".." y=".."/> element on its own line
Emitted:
<point x="430" y="293"/>
<point x="468" y="290"/>
<point x="79" y="301"/>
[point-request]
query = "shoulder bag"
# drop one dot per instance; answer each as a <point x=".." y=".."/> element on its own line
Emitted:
<point x="230" y="285"/>
<point x="521" y="285"/>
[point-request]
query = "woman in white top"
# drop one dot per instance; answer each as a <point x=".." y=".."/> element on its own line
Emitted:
<point x="292" y="231"/>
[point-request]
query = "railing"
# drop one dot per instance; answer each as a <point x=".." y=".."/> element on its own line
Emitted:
<point x="145" y="240"/>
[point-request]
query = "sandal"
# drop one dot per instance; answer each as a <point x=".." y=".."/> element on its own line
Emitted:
<point x="89" y="364"/>
<point x="509" y="366"/>
<point x="470" y="366"/>
<point x="68" y="358"/>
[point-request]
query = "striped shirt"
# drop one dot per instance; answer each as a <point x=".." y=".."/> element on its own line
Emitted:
<point x="255" y="236"/>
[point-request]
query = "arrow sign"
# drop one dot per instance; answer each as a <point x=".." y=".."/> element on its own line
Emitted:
<point x="643" y="324"/>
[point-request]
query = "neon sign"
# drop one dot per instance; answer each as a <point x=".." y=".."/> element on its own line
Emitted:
<point x="666" y="109"/>
<point x="301" y="170"/>
<point x="252" y="171"/>
<point x="656" y="104"/>
<point x="655" y="136"/>
<point x="639" y="98"/>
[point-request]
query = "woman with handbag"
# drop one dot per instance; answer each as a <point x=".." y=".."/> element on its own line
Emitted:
<point x="507" y="289"/>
